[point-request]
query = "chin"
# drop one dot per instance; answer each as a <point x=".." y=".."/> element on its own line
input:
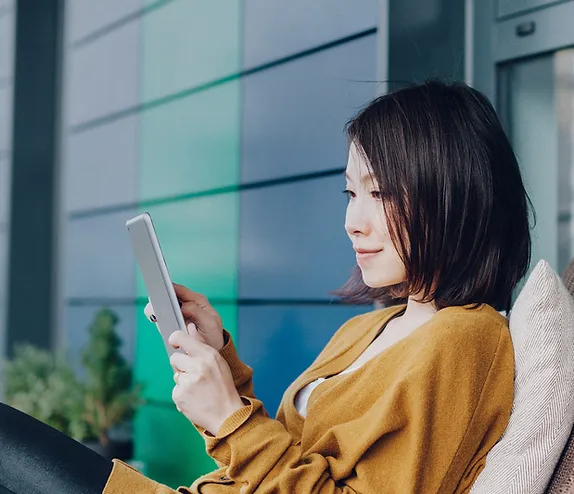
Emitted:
<point x="376" y="280"/>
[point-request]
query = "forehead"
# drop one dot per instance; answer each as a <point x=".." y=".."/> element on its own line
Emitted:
<point x="357" y="165"/>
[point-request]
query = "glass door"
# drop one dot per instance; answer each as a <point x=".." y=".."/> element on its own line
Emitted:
<point x="536" y="105"/>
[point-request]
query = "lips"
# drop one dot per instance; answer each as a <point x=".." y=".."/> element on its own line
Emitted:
<point x="367" y="251"/>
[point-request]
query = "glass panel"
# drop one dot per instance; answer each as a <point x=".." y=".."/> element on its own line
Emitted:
<point x="192" y="144"/>
<point x="101" y="165"/>
<point x="293" y="242"/>
<point x="536" y="101"/>
<point x="171" y="449"/>
<point x="199" y="239"/>
<point x="103" y="76"/>
<point x="270" y="25"/>
<point x="564" y="66"/>
<point x="189" y="43"/>
<point x="83" y="17"/>
<point x="533" y="130"/>
<point x="99" y="260"/>
<point x="508" y="7"/>
<point x="314" y="96"/>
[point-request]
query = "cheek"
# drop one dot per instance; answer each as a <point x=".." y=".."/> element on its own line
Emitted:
<point x="380" y="225"/>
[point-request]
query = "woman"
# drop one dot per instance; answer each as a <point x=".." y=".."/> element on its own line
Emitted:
<point x="406" y="399"/>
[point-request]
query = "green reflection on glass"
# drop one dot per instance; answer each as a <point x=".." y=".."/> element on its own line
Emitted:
<point x="189" y="43"/>
<point x="199" y="239"/>
<point x="192" y="144"/>
<point x="170" y="447"/>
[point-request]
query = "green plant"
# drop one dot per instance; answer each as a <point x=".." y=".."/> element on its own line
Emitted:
<point x="45" y="387"/>
<point x="110" y="397"/>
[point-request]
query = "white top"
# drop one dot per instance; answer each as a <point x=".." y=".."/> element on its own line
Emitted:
<point x="302" y="397"/>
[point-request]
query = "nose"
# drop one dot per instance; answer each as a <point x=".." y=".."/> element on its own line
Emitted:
<point x="357" y="219"/>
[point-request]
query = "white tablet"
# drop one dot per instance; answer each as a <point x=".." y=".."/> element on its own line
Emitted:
<point x="156" y="277"/>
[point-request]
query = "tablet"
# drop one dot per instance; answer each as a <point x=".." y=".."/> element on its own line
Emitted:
<point x="156" y="277"/>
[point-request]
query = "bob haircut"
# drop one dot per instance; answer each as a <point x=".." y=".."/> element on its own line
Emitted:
<point x="452" y="192"/>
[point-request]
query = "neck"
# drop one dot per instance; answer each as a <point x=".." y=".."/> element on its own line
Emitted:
<point x="418" y="312"/>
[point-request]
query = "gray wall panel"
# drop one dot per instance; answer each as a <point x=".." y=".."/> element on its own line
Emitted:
<point x="4" y="191"/>
<point x="275" y="28"/>
<point x="426" y="39"/>
<point x="553" y="31"/>
<point x="294" y="115"/>
<point x="102" y="165"/>
<point x="86" y="16"/>
<point x="510" y="7"/>
<point x="103" y="77"/>
<point x="6" y="45"/>
<point x="99" y="258"/>
<point x="3" y="286"/>
<point x="5" y="117"/>
<point x="279" y="343"/>
<point x="292" y="241"/>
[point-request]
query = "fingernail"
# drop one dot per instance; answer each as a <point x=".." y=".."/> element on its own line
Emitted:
<point x="191" y="327"/>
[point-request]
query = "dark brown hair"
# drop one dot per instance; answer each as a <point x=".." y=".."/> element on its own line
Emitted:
<point x="453" y="194"/>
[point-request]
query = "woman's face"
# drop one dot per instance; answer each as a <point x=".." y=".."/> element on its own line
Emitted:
<point x="366" y="225"/>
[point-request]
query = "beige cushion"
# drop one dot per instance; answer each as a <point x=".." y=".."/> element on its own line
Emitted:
<point x="568" y="277"/>
<point x="542" y="330"/>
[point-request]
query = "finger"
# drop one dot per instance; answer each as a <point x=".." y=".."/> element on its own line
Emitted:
<point x="182" y="363"/>
<point x="197" y="313"/>
<point x="186" y="295"/>
<point x="191" y="345"/>
<point x="148" y="311"/>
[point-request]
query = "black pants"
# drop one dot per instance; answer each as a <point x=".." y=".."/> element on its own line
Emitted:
<point x="37" y="459"/>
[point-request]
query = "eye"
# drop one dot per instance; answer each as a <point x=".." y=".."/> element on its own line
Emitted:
<point x="349" y="193"/>
<point x="376" y="194"/>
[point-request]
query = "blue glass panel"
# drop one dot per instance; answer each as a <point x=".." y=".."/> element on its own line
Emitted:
<point x="83" y="17"/>
<point x="102" y="165"/>
<point x="99" y="259"/>
<point x="294" y="114"/>
<point x="103" y="77"/>
<point x="293" y="244"/>
<point x="275" y="28"/>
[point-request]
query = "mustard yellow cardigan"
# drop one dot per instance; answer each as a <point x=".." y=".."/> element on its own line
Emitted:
<point x="417" y="418"/>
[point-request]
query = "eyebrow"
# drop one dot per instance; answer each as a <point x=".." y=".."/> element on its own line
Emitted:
<point x="364" y="178"/>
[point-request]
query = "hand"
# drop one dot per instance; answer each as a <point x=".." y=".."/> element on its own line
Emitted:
<point x="196" y="309"/>
<point x="204" y="390"/>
